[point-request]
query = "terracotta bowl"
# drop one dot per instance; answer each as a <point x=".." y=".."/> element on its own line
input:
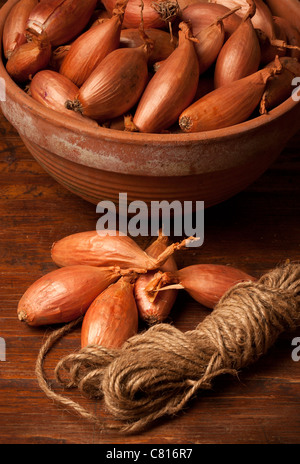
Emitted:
<point x="97" y="163"/>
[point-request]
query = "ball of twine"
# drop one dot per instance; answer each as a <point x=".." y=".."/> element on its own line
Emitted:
<point x="157" y="372"/>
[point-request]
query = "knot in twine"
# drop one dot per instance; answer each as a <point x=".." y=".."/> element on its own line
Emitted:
<point x="157" y="372"/>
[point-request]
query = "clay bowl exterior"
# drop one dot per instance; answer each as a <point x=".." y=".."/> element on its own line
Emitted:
<point x="97" y="163"/>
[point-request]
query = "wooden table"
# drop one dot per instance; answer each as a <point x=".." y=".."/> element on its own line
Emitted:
<point x="255" y="231"/>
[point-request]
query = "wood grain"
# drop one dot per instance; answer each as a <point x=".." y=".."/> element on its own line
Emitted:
<point x="255" y="231"/>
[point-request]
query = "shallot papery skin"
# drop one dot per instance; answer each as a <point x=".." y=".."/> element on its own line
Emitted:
<point x="29" y="58"/>
<point x="292" y="36"/>
<point x="202" y="15"/>
<point x="108" y="248"/>
<point x="279" y="87"/>
<point x="112" y="318"/>
<point x="288" y="9"/>
<point x="15" y="26"/>
<point x="227" y="105"/>
<point x="64" y="294"/>
<point x="262" y="18"/>
<point x="210" y="42"/>
<point x="205" y="283"/>
<point x="240" y="56"/>
<point x="52" y="90"/>
<point x="171" y="89"/>
<point x="90" y="48"/>
<point x="132" y="17"/>
<point x="158" y="310"/>
<point x="163" y="45"/>
<point x="61" y="20"/>
<point x="115" y="86"/>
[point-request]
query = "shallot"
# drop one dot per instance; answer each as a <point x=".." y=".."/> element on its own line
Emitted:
<point x="14" y="28"/>
<point x="240" y="56"/>
<point x="171" y="89"/>
<point x="64" y="294"/>
<point x="228" y="105"/>
<point x="112" y="317"/>
<point x="205" y="283"/>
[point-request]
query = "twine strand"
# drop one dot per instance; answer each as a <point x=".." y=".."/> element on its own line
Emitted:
<point x="157" y="372"/>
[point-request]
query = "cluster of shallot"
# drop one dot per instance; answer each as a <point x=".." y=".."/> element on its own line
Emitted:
<point x="155" y="66"/>
<point x="108" y="280"/>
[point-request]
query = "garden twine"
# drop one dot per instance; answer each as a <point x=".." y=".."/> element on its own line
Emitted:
<point x="158" y="371"/>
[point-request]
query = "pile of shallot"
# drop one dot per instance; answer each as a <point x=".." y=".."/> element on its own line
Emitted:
<point x="107" y="279"/>
<point x="155" y="66"/>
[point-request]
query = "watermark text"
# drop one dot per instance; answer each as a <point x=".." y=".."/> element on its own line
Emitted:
<point x="138" y="219"/>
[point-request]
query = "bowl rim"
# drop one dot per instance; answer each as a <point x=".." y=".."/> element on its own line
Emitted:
<point x="91" y="129"/>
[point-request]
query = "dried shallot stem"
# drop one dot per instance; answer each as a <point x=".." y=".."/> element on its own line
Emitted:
<point x="226" y="15"/>
<point x="119" y="9"/>
<point x="167" y="10"/>
<point x="129" y="125"/>
<point x="251" y="11"/>
<point x="148" y="43"/>
<point x="74" y="106"/>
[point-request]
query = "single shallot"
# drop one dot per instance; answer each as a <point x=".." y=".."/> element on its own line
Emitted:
<point x="64" y="294"/>
<point x="52" y="90"/>
<point x="228" y="105"/>
<point x="205" y="283"/>
<point x="171" y="89"/>
<point x="240" y="55"/>
<point x="61" y="20"/>
<point x="115" y="86"/>
<point x="279" y="88"/>
<point x="29" y="58"/>
<point x="112" y="318"/>
<point x="15" y="25"/>
<point x="91" y="47"/>
<point x="108" y="248"/>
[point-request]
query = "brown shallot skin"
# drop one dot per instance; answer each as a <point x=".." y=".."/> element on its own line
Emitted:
<point x="112" y="318"/>
<point x="159" y="310"/>
<point x="280" y="88"/>
<point x="15" y="26"/>
<point x="171" y="89"/>
<point x="262" y="18"/>
<point x="115" y="86"/>
<point x="288" y="9"/>
<point x="227" y="105"/>
<point x="270" y="49"/>
<point x="132" y="16"/>
<point x="202" y="15"/>
<point x="107" y="248"/>
<point x="91" y="47"/>
<point x="205" y="283"/>
<point x="61" y="20"/>
<point x="210" y="42"/>
<point x="292" y="36"/>
<point x="57" y="57"/>
<point x="29" y="58"/>
<point x="240" y="56"/>
<point x="52" y="90"/>
<point x="163" y="46"/>
<point x="64" y="294"/>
